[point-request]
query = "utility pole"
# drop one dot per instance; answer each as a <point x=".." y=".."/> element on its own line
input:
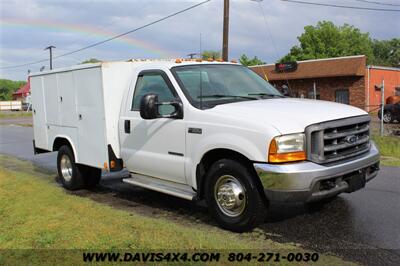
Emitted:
<point x="225" y="38"/>
<point x="382" y="105"/>
<point x="50" y="48"/>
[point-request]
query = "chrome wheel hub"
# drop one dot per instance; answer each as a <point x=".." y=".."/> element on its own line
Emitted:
<point x="230" y="195"/>
<point x="387" y="117"/>
<point x="66" y="167"/>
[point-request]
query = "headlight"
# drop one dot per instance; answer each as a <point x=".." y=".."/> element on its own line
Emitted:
<point x="287" y="148"/>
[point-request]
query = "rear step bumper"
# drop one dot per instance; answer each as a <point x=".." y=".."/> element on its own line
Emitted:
<point x="308" y="181"/>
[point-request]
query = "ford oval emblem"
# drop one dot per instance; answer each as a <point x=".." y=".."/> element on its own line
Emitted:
<point x="351" y="139"/>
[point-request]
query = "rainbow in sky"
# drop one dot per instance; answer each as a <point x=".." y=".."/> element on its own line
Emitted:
<point x="86" y="30"/>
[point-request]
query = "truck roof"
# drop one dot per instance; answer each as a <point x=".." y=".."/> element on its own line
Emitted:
<point x="168" y="63"/>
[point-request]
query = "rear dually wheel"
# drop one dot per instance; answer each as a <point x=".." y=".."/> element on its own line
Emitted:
<point x="68" y="172"/>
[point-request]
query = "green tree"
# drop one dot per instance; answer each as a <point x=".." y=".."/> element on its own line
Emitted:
<point x="386" y="52"/>
<point x="207" y="54"/>
<point x="91" y="60"/>
<point x="246" y="61"/>
<point x="8" y="87"/>
<point x="328" y="40"/>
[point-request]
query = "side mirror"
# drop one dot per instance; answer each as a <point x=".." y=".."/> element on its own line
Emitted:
<point x="149" y="108"/>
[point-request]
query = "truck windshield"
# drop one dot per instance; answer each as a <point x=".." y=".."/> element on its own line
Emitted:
<point x="206" y="86"/>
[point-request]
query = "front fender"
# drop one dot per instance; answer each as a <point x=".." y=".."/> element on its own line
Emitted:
<point x="252" y="147"/>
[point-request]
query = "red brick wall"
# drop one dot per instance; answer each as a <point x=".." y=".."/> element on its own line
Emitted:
<point x="326" y="87"/>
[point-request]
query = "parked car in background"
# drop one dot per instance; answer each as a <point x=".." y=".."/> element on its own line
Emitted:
<point x="393" y="99"/>
<point x="391" y="113"/>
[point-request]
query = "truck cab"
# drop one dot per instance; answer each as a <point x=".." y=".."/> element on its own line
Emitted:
<point x="214" y="132"/>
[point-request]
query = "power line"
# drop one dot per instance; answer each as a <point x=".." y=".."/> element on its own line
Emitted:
<point x="131" y="31"/>
<point x="25" y="64"/>
<point x="341" y="6"/>
<point x="111" y="38"/>
<point x="377" y="3"/>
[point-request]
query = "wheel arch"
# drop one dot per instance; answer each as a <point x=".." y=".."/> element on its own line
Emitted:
<point x="216" y="154"/>
<point x="62" y="140"/>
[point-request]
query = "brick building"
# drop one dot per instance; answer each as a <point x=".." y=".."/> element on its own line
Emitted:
<point x="343" y="79"/>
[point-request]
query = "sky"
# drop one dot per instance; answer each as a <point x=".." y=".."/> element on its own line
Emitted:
<point x="27" y="27"/>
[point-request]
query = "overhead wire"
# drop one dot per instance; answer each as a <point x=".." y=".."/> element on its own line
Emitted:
<point x="341" y="6"/>
<point x="111" y="38"/>
<point x="377" y="3"/>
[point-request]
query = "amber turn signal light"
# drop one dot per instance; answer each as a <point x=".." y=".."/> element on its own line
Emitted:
<point x="275" y="157"/>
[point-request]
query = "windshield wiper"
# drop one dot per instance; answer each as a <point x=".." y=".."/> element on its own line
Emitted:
<point x="267" y="94"/>
<point x="226" y="96"/>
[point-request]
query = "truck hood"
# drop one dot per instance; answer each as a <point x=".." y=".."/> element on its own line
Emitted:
<point x="287" y="115"/>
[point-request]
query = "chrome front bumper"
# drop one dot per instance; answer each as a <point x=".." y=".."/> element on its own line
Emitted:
<point x="308" y="181"/>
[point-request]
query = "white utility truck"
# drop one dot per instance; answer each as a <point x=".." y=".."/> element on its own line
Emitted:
<point x="214" y="132"/>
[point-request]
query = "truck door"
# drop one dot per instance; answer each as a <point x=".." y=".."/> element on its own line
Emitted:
<point x="153" y="147"/>
<point x="39" y="113"/>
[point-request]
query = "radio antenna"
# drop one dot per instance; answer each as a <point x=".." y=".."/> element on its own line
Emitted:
<point x="200" y="51"/>
<point x="201" y="80"/>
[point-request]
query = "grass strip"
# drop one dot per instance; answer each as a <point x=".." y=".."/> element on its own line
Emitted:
<point x="389" y="147"/>
<point x="36" y="213"/>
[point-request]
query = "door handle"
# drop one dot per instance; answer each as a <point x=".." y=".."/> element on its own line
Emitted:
<point x="127" y="126"/>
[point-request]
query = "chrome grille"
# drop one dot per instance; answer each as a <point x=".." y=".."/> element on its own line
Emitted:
<point x="339" y="139"/>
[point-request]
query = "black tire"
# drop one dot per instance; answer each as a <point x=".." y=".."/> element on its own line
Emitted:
<point x="91" y="176"/>
<point x="252" y="212"/>
<point x="72" y="180"/>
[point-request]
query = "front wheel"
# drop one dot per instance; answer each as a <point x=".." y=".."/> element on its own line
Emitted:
<point x="232" y="196"/>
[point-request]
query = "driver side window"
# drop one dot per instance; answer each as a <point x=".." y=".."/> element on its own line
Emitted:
<point x="153" y="83"/>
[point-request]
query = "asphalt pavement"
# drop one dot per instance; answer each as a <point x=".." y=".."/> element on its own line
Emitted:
<point x="363" y="226"/>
